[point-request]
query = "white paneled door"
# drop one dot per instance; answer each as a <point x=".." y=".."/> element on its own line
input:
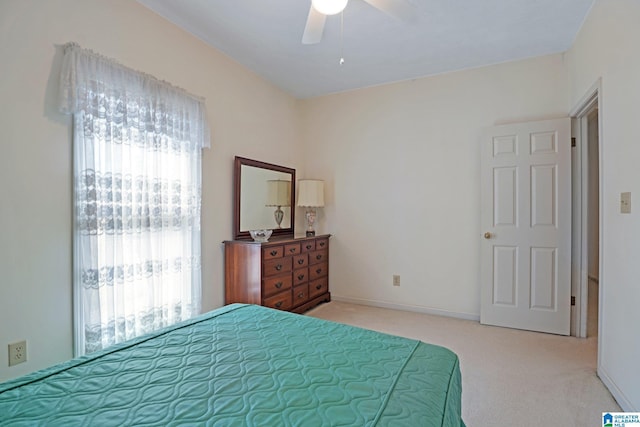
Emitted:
<point x="526" y="226"/>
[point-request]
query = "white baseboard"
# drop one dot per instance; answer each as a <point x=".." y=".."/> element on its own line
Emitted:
<point x="617" y="394"/>
<point x="406" y="307"/>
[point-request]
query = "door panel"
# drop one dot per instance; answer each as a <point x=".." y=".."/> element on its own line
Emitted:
<point x="505" y="200"/>
<point x="505" y="278"/>
<point x="543" y="279"/>
<point x="526" y="208"/>
<point x="543" y="198"/>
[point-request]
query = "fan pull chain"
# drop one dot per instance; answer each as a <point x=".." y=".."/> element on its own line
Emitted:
<point x="342" y="38"/>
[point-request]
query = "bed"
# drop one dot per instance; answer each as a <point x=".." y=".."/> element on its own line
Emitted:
<point x="246" y="365"/>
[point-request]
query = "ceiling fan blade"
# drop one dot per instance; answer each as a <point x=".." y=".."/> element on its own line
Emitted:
<point x="314" y="28"/>
<point x="399" y="9"/>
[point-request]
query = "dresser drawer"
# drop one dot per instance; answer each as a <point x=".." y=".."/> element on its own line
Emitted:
<point x="318" y="287"/>
<point x="272" y="252"/>
<point x="318" y="257"/>
<point x="273" y="267"/>
<point x="293" y="249"/>
<point x="281" y="301"/>
<point x="322" y="243"/>
<point x="300" y="261"/>
<point x="308" y="246"/>
<point x="318" y="270"/>
<point x="300" y="276"/>
<point x="300" y="294"/>
<point x="276" y="284"/>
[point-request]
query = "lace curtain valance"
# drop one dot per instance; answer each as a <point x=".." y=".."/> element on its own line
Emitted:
<point x="100" y="86"/>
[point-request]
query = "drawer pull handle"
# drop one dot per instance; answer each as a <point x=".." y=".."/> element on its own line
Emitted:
<point x="274" y="253"/>
<point x="300" y="276"/>
<point x="301" y="294"/>
<point x="279" y="304"/>
<point x="319" y="271"/>
<point x="292" y="250"/>
<point x="321" y="244"/>
<point x="279" y="267"/>
<point x="318" y="287"/>
<point x="279" y="285"/>
<point x="318" y="257"/>
<point x="301" y="261"/>
<point x="308" y="246"/>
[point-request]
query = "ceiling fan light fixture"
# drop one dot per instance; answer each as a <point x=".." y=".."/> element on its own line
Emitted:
<point x="329" y="7"/>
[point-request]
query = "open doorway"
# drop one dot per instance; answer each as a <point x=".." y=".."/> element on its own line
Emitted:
<point x="586" y="217"/>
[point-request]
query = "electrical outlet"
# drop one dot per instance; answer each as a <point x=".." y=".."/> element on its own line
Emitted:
<point x="17" y="353"/>
<point x="396" y="280"/>
<point x="625" y="203"/>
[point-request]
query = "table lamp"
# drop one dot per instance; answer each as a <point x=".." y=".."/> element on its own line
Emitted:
<point x="310" y="196"/>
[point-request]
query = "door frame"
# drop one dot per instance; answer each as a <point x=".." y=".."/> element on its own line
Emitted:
<point x="580" y="236"/>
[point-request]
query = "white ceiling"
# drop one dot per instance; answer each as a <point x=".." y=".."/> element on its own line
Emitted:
<point x="445" y="35"/>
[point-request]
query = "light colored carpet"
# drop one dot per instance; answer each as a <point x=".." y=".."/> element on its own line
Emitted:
<point x="509" y="377"/>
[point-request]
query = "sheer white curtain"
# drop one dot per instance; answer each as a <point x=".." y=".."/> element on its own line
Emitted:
<point x="137" y="160"/>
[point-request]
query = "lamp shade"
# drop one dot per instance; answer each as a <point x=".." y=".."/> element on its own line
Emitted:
<point x="278" y="193"/>
<point x="310" y="193"/>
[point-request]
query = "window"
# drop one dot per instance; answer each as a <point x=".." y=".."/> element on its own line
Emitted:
<point x="137" y="190"/>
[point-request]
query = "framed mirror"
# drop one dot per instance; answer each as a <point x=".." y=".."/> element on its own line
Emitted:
<point x="263" y="197"/>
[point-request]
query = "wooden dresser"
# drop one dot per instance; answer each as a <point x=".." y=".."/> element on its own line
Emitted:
<point x="287" y="274"/>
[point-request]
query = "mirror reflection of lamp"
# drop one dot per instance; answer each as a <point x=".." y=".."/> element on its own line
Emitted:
<point x="279" y="195"/>
<point x="311" y="196"/>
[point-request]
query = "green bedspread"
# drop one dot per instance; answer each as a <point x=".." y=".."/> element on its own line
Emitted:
<point x="246" y="365"/>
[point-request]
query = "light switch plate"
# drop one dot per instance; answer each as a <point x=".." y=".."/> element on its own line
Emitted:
<point x="625" y="203"/>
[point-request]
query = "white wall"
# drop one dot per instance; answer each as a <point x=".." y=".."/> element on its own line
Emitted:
<point x="248" y="116"/>
<point x="402" y="165"/>
<point x="607" y="47"/>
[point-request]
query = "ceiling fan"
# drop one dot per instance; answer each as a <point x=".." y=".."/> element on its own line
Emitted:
<point x="320" y="9"/>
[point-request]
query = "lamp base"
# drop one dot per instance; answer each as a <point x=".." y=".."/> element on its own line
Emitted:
<point x="311" y="219"/>
<point x="278" y="215"/>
